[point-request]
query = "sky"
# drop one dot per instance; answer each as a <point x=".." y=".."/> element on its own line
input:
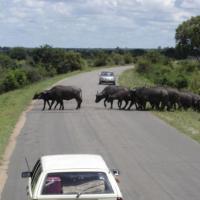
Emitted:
<point x="93" y="23"/>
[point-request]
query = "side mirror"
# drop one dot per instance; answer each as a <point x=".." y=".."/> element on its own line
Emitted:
<point x="26" y="174"/>
<point x="116" y="172"/>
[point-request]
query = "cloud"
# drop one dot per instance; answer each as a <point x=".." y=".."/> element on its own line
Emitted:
<point x="105" y="23"/>
<point x="191" y="4"/>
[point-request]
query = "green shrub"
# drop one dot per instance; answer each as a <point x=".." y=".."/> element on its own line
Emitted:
<point x="33" y="75"/>
<point x="18" y="53"/>
<point x="188" y="66"/>
<point x="101" y="59"/>
<point x="73" y="60"/>
<point x="181" y="81"/>
<point x="195" y="82"/>
<point x="143" y="66"/>
<point x="117" y="58"/>
<point x="128" y="58"/>
<point x="14" y="79"/>
<point x="10" y="82"/>
<point x="63" y="67"/>
<point x="6" y="62"/>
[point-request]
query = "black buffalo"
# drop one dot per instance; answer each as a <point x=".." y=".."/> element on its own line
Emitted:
<point x="189" y="100"/>
<point x="59" y="93"/>
<point x="121" y="95"/>
<point x="185" y="100"/>
<point x="195" y="101"/>
<point x="46" y="97"/>
<point x="157" y="97"/>
<point x="174" y="97"/>
<point x="107" y="91"/>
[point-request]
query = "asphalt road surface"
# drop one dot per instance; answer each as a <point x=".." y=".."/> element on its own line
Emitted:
<point x="156" y="161"/>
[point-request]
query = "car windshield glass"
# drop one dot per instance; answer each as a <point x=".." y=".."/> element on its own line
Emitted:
<point x="107" y="74"/>
<point x="76" y="183"/>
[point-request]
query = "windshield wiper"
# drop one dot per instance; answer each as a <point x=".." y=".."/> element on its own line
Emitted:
<point x="85" y="190"/>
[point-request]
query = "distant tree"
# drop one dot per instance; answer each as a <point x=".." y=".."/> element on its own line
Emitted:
<point x="188" y="37"/>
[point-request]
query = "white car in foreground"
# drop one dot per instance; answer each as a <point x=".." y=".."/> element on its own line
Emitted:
<point x="78" y="176"/>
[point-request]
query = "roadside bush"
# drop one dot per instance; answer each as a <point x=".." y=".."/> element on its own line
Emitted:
<point x="101" y="59"/>
<point x="117" y="58"/>
<point x="2" y="89"/>
<point x="33" y="75"/>
<point x="74" y="60"/>
<point x="188" y="66"/>
<point x="128" y="58"/>
<point x="10" y="82"/>
<point x="195" y="82"/>
<point x="154" y="57"/>
<point x="50" y="70"/>
<point x="6" y="62"/>
<point x="14" y="79"/>
<point x="181" y="81"/>
<point x="143" y="66"/>
<point x="63" y="67"/>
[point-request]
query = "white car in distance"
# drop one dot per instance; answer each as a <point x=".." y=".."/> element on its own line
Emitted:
<point x="107" y="78"/>
<point x="72" y="176"/>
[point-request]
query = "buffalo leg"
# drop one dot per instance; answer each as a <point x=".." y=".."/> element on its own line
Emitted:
<point x="51" y="104"/>
<point x="111" y="104"/>
<point x="79" y="101"/>
<point x="44" y="105"/>
<point x="61" y="105"/>
<point x="119" y="104"/>
<point x="105" y="102"/>
<point x="56" y="105"/>
<point x="126" y="103"/>
<point x="131" y="104"/>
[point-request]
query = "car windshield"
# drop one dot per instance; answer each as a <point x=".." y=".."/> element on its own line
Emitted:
<point x="76" y="183"/>
<point x="107" y="74"/>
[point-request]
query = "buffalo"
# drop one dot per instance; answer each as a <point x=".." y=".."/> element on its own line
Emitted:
<point x="121" y="95"/>
<point x="59" y="93"/>
<point x="45" y="95"/>
<point x="185" y="100"/>
<point x="174" y="97"/>
<point x="107" y="91"/>
<point x="157" y="97"/>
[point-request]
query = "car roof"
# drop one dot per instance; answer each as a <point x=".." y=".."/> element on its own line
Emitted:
<point x="73" y="161"/>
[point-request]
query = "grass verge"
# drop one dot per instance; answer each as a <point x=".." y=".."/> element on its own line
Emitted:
<point x="187" y="122"/>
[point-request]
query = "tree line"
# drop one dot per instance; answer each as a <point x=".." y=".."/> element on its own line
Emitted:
<point x="21" y="66"/>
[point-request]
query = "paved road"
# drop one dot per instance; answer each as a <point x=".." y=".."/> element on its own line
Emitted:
<point x="156" y="161"/>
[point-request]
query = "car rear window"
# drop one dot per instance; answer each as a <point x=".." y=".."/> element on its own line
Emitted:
<point x="107" y="73"/>
<point x="76" y="182"/>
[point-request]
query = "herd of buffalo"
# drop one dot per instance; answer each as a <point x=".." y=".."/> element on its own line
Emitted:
<point x="158" y="97"/>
